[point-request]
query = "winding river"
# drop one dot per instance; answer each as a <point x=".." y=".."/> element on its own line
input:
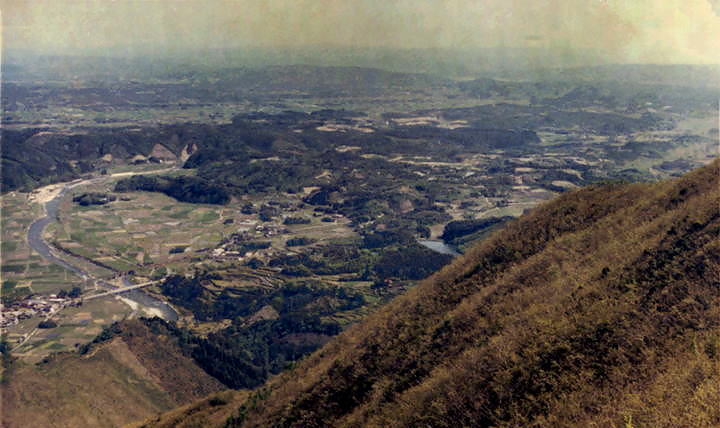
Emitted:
<point x="37" y="242"/>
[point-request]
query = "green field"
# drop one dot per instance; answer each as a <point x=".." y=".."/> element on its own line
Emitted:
<point x="139" y="232"/>
<point x="21" y="266"/>
<point x="134" y="233"/>
<point x="76" y="325"/>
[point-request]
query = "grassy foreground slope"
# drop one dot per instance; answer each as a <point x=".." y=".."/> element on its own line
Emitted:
<point x="134" y="374"/>
<point x="601" y="308"/>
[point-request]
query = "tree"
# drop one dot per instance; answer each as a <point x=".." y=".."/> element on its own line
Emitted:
<point x="47" y="324"/>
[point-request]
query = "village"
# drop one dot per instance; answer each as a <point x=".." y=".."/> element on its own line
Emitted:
<point x="34" y="306"/>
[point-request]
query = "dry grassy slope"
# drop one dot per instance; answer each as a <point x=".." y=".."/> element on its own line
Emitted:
<point x="601" y="308"/>
<point x="128" y="378"/>
<point x="213" y="410"/>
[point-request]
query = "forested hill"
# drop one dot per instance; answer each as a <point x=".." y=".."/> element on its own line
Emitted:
<point x="601" y="308"/>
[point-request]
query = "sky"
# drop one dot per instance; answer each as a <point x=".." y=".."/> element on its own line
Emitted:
<point x="624" y="31"/>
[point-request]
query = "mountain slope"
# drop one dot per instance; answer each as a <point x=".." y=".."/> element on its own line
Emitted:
<point x="601" y="308"/>
<point x="134" y="374"/>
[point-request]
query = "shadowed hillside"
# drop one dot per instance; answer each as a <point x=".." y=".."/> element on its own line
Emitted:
<point x="601" y="308"/>
<point x="134" y="370"/>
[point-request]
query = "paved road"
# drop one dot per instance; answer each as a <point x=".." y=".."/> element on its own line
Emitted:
<point x="37" y="242"/>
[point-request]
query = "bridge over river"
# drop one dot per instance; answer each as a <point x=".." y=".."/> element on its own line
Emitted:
<point x="120" y="290"/>
<point x="129" y="290"/>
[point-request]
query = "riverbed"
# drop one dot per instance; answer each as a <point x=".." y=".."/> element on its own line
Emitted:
<point x="440" y="247"/>
<point x="147" y="303"/>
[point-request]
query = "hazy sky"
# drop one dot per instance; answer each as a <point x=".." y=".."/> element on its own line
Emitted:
<point x="658" y="31"/>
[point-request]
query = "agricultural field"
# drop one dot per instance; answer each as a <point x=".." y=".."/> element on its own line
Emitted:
<point x="148" y="232"/>
<point x="75" y="326"/>
<point x="24" y="272"/>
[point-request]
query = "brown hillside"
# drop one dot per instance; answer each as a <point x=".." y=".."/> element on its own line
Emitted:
<point x="130" y="377"/>
<point x="601" y="308"/>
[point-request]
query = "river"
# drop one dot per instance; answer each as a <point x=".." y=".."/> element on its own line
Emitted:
<point x="35" y="240"/>
<point x="439" y="247"/>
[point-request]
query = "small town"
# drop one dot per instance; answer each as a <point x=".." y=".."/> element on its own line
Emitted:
<point x="32" y="307"/>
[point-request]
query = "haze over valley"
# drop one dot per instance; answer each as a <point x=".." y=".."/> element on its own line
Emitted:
<point x="360" y="214"/>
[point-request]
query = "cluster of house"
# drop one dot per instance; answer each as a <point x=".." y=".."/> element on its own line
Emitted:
<point x="270" y="230"/>
<point x="30" y="307"/>
<point x="248" y="228"/>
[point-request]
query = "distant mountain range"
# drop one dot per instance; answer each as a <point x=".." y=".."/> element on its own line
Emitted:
<point x="536" y="64"/>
